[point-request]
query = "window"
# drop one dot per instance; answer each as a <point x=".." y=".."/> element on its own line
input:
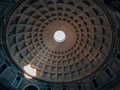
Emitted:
<point x="79" y="87"/>
<point x="2" y="68"/>
<point x="109" y="73"/>
<point x="118" y="56"/>
<point x="95" y="83"/>
<point x="16" y="81"/>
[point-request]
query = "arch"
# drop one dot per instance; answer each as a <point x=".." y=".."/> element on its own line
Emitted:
<point x="31" y="87"/>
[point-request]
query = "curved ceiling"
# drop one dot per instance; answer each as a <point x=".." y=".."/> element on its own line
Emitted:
<point x="88" y="38"/>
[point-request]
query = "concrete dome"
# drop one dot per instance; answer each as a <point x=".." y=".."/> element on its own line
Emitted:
<point x="59" y="45"/>
<point x="88" y="41"/>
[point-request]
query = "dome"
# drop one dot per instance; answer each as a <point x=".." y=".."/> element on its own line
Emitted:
<point x="85" y="43"/>
<point x="59" y="45"/>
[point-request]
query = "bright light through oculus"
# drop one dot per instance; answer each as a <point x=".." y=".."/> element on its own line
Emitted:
<point x="29" y="77"/>
<point x="29" y="70"/>
<point x="59" y="36"/>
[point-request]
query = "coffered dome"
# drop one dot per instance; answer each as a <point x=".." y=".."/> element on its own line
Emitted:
<point x="86" y="44"/>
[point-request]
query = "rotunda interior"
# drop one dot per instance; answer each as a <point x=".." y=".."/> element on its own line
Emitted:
<point x="59" y="45"/>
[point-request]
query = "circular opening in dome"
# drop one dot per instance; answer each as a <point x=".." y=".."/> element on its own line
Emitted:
<point x="59" y="36"/>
